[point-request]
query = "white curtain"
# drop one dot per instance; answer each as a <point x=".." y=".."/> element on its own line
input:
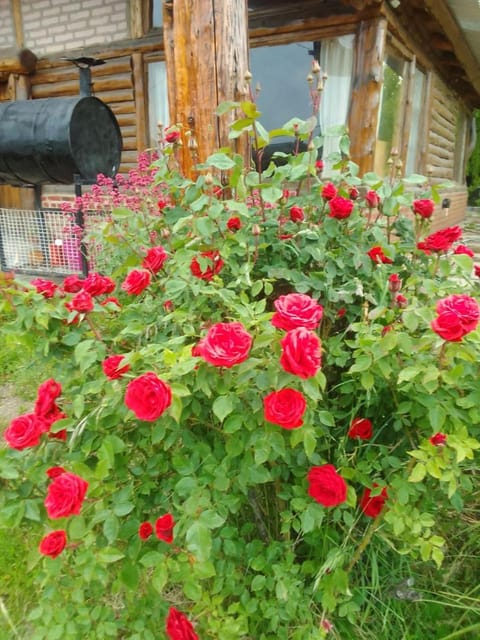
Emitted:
<point x="336" y="60"/>
<point x="157" y="99"/>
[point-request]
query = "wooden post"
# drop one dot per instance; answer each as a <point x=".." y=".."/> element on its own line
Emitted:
<point x="366" y="91"/>
<point x="206" y="52"/>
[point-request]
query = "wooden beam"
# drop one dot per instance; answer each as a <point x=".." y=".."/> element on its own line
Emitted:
<point x="138" y="72"/>
<point x="206" y="58"/>
<point x="17" y="21"/>
<point x="366" y="89"/>
<point x="440" y="10"/>
<point x="23" y="62"/>
<point x="138" y="8"/>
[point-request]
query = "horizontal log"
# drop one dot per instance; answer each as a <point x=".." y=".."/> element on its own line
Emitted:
<point x="126" y="119"/>
<point x="436" y="161"/>
<point x="446" y="109"/>
<point x="23" y="62"/>
<point x="442" y="127"/>
<point x="110" y="97"/>
<point x="123" y="107"/>
<point x="70" y="73"/>
<point x="70" y="87"/>
<point x="441" y="141"/>
<point x="129" y="144"/>
<point x="441" y="152"/>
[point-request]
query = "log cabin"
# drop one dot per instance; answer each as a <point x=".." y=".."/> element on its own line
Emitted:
<point x="402" y="74"/>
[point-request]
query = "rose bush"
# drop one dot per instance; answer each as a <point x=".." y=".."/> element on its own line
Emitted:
<point x="217" y="475"/>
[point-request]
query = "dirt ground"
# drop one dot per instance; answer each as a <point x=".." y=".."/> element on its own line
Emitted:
<point x="11" y="406"/>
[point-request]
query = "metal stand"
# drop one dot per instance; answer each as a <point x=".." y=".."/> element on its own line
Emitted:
<point x="80" y="223"/>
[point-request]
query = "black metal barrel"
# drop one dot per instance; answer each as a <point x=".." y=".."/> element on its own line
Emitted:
<point x="48" y="141"/>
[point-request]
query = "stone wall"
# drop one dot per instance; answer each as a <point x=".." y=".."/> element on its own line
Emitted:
<point x="52" y="26"/>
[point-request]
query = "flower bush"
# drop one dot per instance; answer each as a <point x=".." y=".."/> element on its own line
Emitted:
<point x="276" y="371"/>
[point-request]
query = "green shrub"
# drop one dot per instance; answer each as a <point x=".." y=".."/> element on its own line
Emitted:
<point x="297" y="384"/>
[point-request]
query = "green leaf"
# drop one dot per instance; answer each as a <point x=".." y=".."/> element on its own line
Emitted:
<point x="220" y="161"/>
<point x="222" y="407"/>
<point x="130" y="576"/>
<point x="226" y="107"/>
<point x="109" y="555"/>
<point x="418" y="473"/>
<point x="199" y="541"/>
<point x="436" y="416"/>
<point x="414" y="178"/>
<point x="151" y="559"/>
<point x="110" y="528"/>
<point x="258" y="583"/>
<point x="160" y="577"/>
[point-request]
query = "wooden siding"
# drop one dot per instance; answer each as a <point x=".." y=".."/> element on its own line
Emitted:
<point x="444" y="112"/>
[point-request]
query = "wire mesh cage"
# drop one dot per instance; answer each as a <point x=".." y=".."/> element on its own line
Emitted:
<point x="45" y="242"/>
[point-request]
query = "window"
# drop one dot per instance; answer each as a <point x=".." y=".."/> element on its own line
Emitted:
<point x="157" y="14"/>
<point x="157" y="99"/>
<point x="390" y="121"/>
<point x="281" y="71"/>
<point x="404" y="88"/>
<point x="418" y="108"/>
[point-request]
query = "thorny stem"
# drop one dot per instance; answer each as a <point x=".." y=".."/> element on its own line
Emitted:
<point x="94" y="330"/>
<point x="365" y="541"/>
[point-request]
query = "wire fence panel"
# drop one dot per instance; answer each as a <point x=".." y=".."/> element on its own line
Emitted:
<point x="44" y="241"/>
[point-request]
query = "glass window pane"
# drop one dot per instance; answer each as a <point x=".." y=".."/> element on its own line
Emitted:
<point x="157" y="99"/>
<point x="157" y="15"/>
<point x="391" y="114"/>
<point x="414" y="140"/>
<point x="282" y="72"/>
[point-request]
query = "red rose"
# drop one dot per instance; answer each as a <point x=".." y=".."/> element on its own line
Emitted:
<point x="394" y="283"/>
<point x="53" y="472"/>
<point x="168" y="306"/>
<point x="458" y="315"/>
<point x="372" y="199"/>
<point x="340" y="207"/>
<point x="145" y="530"/>
<point x="423" y="208"/>
<point x="162" y="203"/>
<point x="301" y="352"/>
<point x="53" y="543"/>
<point x="47" y="393"/>
<point x="59" y="435"/>
<point x="377" y="255"/>
<point x="96" y="285"/>
<point x="319" y="166"/>
<point x="136" y="281"/>
<point x="164" y="528"/>
<point x="24" y="431"/>
<point x="178" y="627"/>
<point x="46" y="287"/>
<point x="155" y="259"/>
<point x="438" y="439"/>
<point x="329" y="191"/>
<point x="401" y="301"/>
<point x="213" y="264"/>
<point x="461" y="249"/>
<point x="226" y="344"/>
<point x="111" y="367"/>
<point x="172" y="135"/>
<point x="372" y="506"/>
<point x="148" y="396"/>
<point x="360" y="428"/>
<point x="111" y="300"/>
<point x="353" y="193"/>
<point x="442" y="240"/>
<point x="81" y="302"/>
<point x="285" y="408"/>
<point x="476" y="270"/>
<point x="65" y="495"/>
<point x="234" y="224"/>
<point x="297" y="214"/>
<point x="296" y="310"/>
<point x="326" y="485"/>
<point x="72" y="284"/>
